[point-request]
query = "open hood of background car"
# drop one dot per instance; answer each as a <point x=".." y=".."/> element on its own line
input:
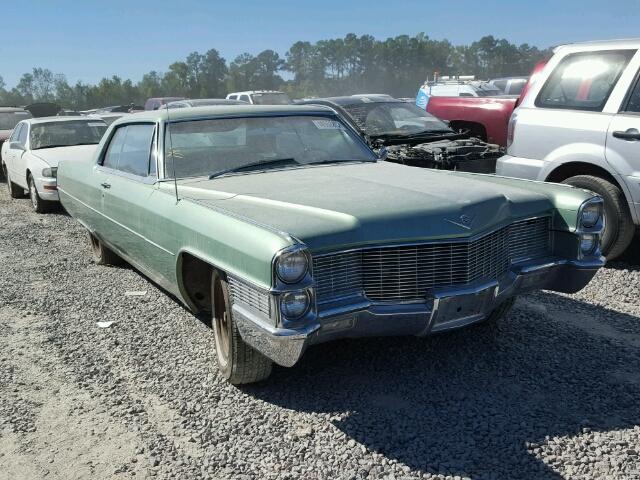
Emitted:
<point x="43" y="109"/>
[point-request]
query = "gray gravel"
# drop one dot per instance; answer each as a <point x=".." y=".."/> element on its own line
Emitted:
<point x="551" y="392"/>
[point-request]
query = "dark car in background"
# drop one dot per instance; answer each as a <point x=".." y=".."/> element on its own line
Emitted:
<point x="156" y="102"/>
<point x="9" y="118"/>
<point x="412" y="136"/>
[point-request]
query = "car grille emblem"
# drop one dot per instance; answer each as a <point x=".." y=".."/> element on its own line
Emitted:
<point x="463" y="221"/>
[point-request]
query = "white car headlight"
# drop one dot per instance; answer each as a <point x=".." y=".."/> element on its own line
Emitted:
<point x="292" y="266"/>
<point x="590" y="215"/>
<point x="294" y="304"/>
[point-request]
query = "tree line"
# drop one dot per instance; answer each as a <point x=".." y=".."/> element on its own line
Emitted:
<point x="341" y="66"/>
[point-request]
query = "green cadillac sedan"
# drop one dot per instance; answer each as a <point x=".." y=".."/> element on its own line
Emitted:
<point x="283" y="225"/>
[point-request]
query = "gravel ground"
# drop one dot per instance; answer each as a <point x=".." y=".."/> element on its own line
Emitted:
<point x="551" y="392"/>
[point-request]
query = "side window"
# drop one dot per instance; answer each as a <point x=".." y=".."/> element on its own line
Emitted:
<point x="634" y="99"/>
<point x="584" y="81"/>
<point x="115" y="147"/>
<point x="16" y="132"/>
<point x="233" y="97"/>
<point x="501" y="84"/>
<point x="245" y="98"/>
<point x="152" y="158"/>
<point x="136" y="150"/>
<point x="22" y="136"/>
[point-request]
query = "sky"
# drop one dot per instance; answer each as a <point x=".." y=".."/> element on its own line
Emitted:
<point x="87" y="40"/>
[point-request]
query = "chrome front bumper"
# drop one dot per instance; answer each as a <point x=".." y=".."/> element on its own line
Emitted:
<point x="445" y="309"/>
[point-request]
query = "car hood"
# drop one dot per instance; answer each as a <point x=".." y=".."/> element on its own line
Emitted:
<point x="53" y="156"/>
<point x="329" y="207"/>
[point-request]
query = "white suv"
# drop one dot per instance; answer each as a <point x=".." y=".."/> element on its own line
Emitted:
<point x="261" y="97"/>
<point x="580" y="124"/>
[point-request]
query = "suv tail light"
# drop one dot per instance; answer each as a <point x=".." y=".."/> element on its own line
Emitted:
<point x="511" y="130"/>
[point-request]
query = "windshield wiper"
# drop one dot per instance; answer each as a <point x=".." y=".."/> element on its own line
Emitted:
<point x="272" y="163"/>
<point x="50" y="146"/>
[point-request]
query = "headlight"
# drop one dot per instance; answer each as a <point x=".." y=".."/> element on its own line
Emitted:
<point x="292" y="266"/>
<point x="50" y="172"/>
<point x="294" y="304"/>
<point x="590" y="215"/>
<point x="588" y="243"/>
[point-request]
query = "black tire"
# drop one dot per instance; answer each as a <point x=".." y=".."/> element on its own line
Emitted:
<point x="101" y="254"/>
<point x="38" y="204"/>
<point x="238" y="362"/>
<point x="15" y="191"/>
<point x="618" y="226"/>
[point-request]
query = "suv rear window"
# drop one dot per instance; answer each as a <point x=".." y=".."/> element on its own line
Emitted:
<point x="584" y="81"/>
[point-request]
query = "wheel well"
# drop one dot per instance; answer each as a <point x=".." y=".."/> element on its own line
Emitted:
<point x="475" y="129"/>
<point x="196" y="281"/>
<point x="571" y="169"/>
<point x="28" y="175"/>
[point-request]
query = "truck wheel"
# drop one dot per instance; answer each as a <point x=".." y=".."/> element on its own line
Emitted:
<point x="237" y="361"/>
<point x="39" y="205"/>
<point x="101" y="254"/>
<point x="618" y="226"/>
<point x="15" y="191"/>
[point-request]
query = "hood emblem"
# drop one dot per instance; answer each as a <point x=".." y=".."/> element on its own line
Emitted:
<point x="463" y="221"/>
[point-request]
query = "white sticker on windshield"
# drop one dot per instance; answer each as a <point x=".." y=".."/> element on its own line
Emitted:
<point x="328" y="124"/>
<point x="96" y="124"/>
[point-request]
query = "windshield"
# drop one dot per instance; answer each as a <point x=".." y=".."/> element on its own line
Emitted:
<point x="394" y="118"/>
<point x="8" y="120"/>
<point x="272" y="98"/>
<point x="210" y="147"/>
<point x="64" y="134"/>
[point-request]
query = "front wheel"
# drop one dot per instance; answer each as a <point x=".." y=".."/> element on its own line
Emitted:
<point x="618" y="226"/>
<point x="39" y="205"/>
<point x="237" y="361"/>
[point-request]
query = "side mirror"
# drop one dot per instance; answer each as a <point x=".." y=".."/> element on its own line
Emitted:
<point x="16" y="146"/>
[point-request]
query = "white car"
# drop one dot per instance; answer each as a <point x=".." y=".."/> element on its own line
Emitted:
<point x="30" y="157"/>
<point x="261" y="97"/>
<point x="580" y="124"/>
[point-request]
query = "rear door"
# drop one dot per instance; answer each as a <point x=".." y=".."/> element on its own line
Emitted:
<point x="623" y="140"/>
<point x="20" y="158"/>
<point x="10" y="153"/>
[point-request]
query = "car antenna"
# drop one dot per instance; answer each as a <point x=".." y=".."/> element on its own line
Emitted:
<point x="173" y="159"/>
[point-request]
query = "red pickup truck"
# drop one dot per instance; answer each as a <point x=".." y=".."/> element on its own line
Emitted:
<point x="485" y="117"/>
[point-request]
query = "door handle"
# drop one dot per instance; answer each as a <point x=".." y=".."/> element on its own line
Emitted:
<point x="105" y="185"/>
<point x="631" y="134"/>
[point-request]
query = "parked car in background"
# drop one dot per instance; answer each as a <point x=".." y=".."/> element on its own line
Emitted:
<point x="486" y="118"/>
<point x="203" y="102"/>
<point x="282" y="224"/>
<point x="411" y="136"/>
<point x="510" y="85"/>
<point x="30" y="158"/>
<point x="580" y="124"/>
<point x="9" y="118"/>
<point x="460" y="89"/>
<point x="261" y="97"/>
<point x="44" y="109"/>
<point x="129" y="108"/>
<point x="157" y="102"/>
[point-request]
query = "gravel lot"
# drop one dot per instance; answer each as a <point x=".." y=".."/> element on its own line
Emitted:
<point x="551" y="392"/>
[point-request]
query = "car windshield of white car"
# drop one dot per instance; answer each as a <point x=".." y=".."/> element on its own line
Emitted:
<point x="65" y="134"/>
<point x="214" y="147"/>
<point x="394" y="118"/>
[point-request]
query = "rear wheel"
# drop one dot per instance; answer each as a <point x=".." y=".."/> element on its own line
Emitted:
<point x="39" y="205"/>
<point x="237" y="361"/>
<point x="618" y="226"/>
<point x="15" y="191"/>
<point x="101" y="254"/>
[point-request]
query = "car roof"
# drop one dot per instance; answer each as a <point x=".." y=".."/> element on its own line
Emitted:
<point x="12" y="109"/>
<point x="68" y="118"/>
<point x="208" y="102"/>
<point x="251" y="92"/>
<point x="614" y="44"/>
<point x="194" y="113"/>
<point x="354" y="99"/>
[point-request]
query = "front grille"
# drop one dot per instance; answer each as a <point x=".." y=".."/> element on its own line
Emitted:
<point x="407" y="273"/>
<point x="249" y="295"/>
